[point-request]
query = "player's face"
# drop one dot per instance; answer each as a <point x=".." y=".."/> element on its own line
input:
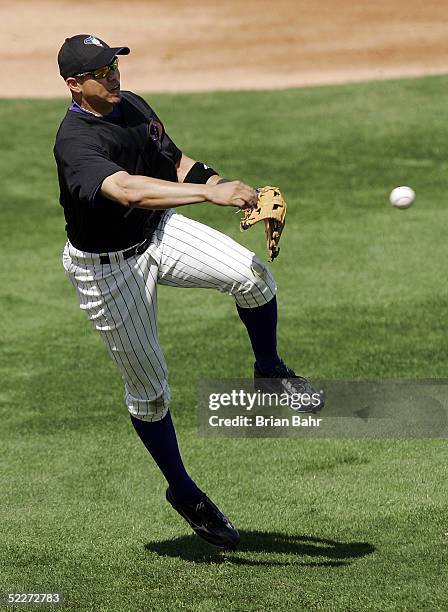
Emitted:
<point x="106" y="89"/>
<point x="100" y="89"/>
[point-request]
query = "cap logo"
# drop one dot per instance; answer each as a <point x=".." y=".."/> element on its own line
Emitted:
<point x="91" y="40"/>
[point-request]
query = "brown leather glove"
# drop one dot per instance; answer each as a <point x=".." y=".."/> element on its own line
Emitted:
<point x="271" y="208"/>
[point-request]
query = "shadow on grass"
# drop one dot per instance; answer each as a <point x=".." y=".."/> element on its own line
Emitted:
<point x="327" y="553"/>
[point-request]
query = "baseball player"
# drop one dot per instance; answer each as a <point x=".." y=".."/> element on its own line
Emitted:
<point x="121" y="181"/>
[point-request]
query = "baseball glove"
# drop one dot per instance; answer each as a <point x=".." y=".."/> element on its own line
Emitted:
<point x="271" y="208"/>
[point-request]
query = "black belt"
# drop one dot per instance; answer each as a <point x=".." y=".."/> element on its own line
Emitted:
<point x="135" y="250"/>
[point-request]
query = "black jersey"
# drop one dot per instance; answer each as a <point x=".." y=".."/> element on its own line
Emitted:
<point x="88" y="149"/>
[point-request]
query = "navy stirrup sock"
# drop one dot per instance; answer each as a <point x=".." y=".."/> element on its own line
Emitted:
<point x="261" y="325"/>
<point x="159" y="437"/>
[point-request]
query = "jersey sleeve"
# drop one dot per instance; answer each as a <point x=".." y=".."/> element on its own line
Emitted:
<point x="167" y="146"/>
<point x="169" y="149"/>
<point x="83" y="165"/>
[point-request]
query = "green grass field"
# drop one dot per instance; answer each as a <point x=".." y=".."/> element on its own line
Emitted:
<point x="329" y="524"/>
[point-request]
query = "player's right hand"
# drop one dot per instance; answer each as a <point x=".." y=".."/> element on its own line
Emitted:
<point x="232" y="193"/>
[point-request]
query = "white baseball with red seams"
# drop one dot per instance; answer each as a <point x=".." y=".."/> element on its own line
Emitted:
<point x="402" y="197"/>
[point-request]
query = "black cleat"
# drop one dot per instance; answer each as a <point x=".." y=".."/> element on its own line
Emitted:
<point x="284" y="380"/>
<point x="207" y="521"/>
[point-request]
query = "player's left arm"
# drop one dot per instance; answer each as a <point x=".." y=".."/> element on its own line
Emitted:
<point x="194" y="171"/>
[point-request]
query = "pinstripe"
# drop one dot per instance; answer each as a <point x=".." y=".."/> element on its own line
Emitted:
<point x="154" y="285"/>
<point x="195" y="282"/>
<point x="206" y="258"/>
<point x="127" y="334"/>
<point x="206" y="275"/>
<point x="198" y="281"/>
<point x="224" y="240"/>
<point x="117" y="354"/>
<point x="197" y="231"/>
<point x="179" y="223"/>
<point x="181" y="281"/>
<point x="80" y="291"/>
<point x="120" y="346"/>
<point x="151" y="315"/>
<point x="156" y="348"/>
<point x="245" y="298"/>
<point x="105" y="334"/>
<point x="217" y="270"/>
<point x="110" y="331"/>
<point x="150" y="308"/>
<point x="128" y="377"/>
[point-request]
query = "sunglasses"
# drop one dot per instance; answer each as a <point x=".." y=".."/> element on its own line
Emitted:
<point x="101" y="73"/>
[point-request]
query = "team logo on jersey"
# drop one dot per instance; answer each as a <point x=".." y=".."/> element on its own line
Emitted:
<point x="155" y="130"/>
<point x="92" y="40"/>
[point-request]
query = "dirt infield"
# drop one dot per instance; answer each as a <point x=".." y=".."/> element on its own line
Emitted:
<point x="199" y="45"/>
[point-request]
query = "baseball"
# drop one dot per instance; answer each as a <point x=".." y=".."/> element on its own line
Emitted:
<point x="402" y="197"/>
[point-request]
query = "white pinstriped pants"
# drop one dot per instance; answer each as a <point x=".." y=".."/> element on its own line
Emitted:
<point x="120" y="298"/>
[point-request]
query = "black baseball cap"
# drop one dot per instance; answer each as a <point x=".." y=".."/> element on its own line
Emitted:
<point x="85" y="52"/>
